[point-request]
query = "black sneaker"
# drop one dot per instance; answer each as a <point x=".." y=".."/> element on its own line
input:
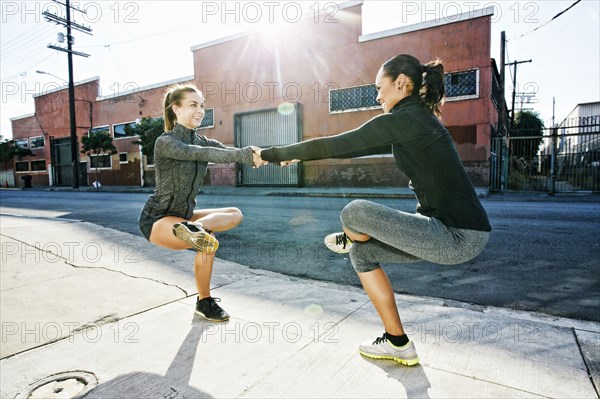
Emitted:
<point x="194" y="234"/>
<point x="210" y="310"/>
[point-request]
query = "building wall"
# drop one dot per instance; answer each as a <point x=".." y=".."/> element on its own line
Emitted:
<point x="51" y="120"/>
<point x="302" y="62"/>
<point x="298" y="64"/>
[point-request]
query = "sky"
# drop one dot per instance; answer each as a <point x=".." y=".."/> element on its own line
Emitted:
<point x="139" y="43"/>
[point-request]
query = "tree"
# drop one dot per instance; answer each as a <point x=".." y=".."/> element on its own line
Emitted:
<point x="9" y="150"/>
<point x="148" y="131"/>
<point x="97" y="144"/>
<point x="530" y="128"/>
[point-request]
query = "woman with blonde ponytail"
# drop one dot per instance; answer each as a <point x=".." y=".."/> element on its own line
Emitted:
<point x="168" y="218"/>
<point x="450" y="226"/>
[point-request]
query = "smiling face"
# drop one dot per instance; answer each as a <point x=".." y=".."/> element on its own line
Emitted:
<point x="190" y="111"/>
<point x="390" y="92"/>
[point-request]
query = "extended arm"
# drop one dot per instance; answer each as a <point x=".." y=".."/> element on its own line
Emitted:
<point x="188" y="152"/>
<point x="374" y="137"/>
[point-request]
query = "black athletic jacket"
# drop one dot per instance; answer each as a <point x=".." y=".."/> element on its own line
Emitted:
<point x="423" y="150"/>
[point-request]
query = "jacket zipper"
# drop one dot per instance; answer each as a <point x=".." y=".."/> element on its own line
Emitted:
<point x="195" y="171"/>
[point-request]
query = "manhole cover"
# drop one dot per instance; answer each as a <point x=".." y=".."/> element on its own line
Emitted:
<point x="68" y="384"/>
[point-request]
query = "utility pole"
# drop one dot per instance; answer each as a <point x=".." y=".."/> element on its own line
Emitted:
<point x="69" y="50"/>
<point x="502" y="103"/>
<point x="512" y="111"/>
<point x="502" y="117"/>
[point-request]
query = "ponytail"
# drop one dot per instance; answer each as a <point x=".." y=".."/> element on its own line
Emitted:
<point x="428" y="78"/>
<point x="173" y="97"/>
<point x="432" y="90"/>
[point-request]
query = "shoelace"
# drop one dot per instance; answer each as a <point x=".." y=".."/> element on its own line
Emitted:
<point x="341" y="239"/>
<point x="214" y="305"/>
<point x="380" y="340"/>
<point x="194" y="227"/>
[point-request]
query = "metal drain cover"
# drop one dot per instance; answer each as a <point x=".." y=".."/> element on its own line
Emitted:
<point x="68" y="384"/>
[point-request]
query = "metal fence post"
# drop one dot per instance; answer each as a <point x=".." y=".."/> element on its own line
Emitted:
<point x="553" y="161"/>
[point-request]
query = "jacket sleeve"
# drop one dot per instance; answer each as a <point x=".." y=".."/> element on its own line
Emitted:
<point x="374" y="137"/>
<point x="168" y="148"/>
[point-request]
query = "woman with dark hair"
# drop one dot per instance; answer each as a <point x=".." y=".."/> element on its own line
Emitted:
<point x="450" y="226"/>
<point x="168" y="218"/>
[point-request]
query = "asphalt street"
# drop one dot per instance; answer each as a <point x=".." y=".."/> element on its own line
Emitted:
<point x="542" y="255"/>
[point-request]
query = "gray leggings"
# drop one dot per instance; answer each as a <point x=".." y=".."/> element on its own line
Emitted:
<point x="401" y="237"/>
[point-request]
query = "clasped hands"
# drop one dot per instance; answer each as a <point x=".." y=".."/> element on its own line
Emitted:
<point x="257" y="160"/>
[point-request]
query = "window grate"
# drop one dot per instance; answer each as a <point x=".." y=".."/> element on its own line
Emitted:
<point x="461" y="84"/>
<point x="353" y="98"/>
<point x="209" y="118"/>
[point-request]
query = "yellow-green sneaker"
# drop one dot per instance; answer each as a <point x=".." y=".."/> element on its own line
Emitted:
<point x="381" y="348"/>
<point x="195" y="235"/>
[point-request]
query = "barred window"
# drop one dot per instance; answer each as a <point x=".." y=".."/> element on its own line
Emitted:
<point x="22" y="166"/>
<point x="101" y="161"/>
<point x="209" y="118"/>
<point x="38" y="165"/>
<point x="353" y="99"/>
<point x="462" y="85"/>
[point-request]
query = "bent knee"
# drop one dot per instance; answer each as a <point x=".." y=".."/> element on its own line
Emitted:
<point x="354" y="211"/>
<point x="236" y="215"/>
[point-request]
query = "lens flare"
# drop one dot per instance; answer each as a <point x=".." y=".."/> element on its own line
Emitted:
<point x="313" y="309"/>
<point x="285" y="108"/>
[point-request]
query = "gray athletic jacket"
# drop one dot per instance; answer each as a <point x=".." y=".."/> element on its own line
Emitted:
<point x="180" y="161"/>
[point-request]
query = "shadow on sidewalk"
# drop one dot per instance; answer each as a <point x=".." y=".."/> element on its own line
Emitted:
<point x="413" y="379"/>
<point x="175" y="382"/>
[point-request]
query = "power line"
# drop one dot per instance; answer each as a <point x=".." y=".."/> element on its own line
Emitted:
<point x="136" y="38"/>
<point x="547" y="22"/>
<point x="23" y="73"/>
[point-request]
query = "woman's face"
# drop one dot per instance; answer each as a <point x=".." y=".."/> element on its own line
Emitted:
<point x="389" y="92"/>
<point x="191" y="110"/>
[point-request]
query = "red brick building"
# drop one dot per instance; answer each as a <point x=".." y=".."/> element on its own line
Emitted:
<point x="307" y="80"/>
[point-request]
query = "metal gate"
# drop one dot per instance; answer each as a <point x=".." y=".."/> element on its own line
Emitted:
<point x="62" y="166"/>
<point x="563" y="159"/>
<point x="266" y="128"/>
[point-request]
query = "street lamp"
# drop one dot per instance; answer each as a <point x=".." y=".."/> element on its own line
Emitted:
<point x="51" y="74"/>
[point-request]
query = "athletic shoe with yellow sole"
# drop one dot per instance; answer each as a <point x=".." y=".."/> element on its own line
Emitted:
<point x="338" y="242"/>
<point x="381" y="348"/>
<point x="196" y="236"/>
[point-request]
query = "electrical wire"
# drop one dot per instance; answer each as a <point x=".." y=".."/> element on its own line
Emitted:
<point x="24" y="73"/>
<point x="547" y="22"/>
<point x="134" y="39"/>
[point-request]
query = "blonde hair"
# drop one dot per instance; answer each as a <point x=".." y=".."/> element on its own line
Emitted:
<point x="173" y="97"/>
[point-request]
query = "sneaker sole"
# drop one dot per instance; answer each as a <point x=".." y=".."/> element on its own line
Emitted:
<point x="200" y="241"/>
<point x="406" y="362"/>
<point x="336" y="248"/>
<point x="209" y="319"/>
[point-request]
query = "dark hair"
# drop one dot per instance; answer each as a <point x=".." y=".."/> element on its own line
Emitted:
<point x="173" y="97"/>
<point x="427" y="79"/>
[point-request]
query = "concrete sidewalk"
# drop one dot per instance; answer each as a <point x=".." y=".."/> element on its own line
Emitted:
<point x="90" y="311"/>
